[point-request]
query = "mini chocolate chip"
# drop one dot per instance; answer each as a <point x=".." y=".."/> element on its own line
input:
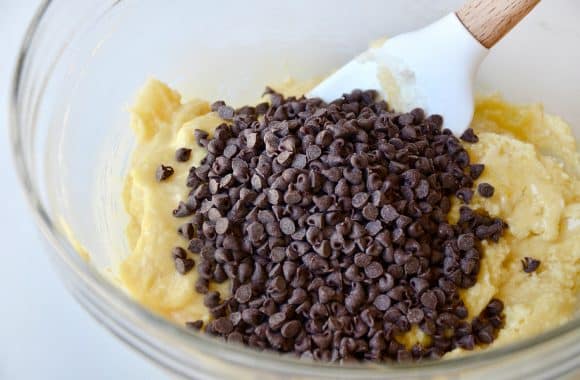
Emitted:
<point x="222" y="325"/>
<point x="415" y="316"/>
<point x="530" y="264"/>
<point x="287" y="226"/>
<point x="382" y="302"/>
<point x="274" y="196"/>
<point x="475" y="170"/>
<point x="374" y="270"/>
<point x="429" y="300"/>
<point x="285" y="158"/>
<point x="359" y="200"/>
<point x="465" y="194"/>
<point x="290" y="329"/>
<point x="163" y="172"/>
<point x="256" y="232"/>
<point x="370" y="212"/>
<point x="374" y="228"/>
<point x="389" y="213"/>
<point x="222" y="225"/>
<point x="244" y="293"/>
<point x="276" y="320"/>
<point x="313" y="152"/>
<point x="252" y="316"/>
<point x="225" y="112"/>
<point x="230" y="151"/>
<point x="299" y="161"/>
<point x="485" y="190"/>
<point x="469" y="136"/>
<point x="182" y="154"/>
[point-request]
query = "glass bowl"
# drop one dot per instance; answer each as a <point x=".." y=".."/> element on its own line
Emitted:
<point x="80" y="66"/>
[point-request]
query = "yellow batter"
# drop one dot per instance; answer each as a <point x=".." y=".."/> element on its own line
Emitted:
<point x="530" y="158"/>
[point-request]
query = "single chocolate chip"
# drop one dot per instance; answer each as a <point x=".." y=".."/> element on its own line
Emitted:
<point x="465" y="194"/>
<point x="359" y="200"/>
<point x="382" y="302"/>
<point x="276" y="320"/>
<point x="163" y="172"/>
<point x="256" y="232"/>
<point x="290" y="329"/>
<point x="225" y="112"/>
<point x="475" y="170"/>
<point x="415" y="316"/>
<point x="182" y="154"/>
<point x="389" y="213"/>
<point x="222" y="325"/>
<point x="429" y="300"/>
<point x="244" y="293"/>
<point x="530" y="264"/>
<point x="485" y="190"/>
<point x="274" y="196"/>
<point x="313" y="152"/>
<point x="222" y="225"/>
<point x="469" y="136"/>
<point x="299" y="161"/>
<point x="374" y="270"/>
<point x="374" y="228"/>
<point x="230" y="151"/>
<point x="370" y="212"/>
<point x="252" y="316"/>
<point x="287" y="226"/>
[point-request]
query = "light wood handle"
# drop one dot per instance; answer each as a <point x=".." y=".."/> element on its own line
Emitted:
<point x="489" y="20"/>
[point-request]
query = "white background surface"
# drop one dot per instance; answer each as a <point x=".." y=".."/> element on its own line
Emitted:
<point x="44" y="333"/>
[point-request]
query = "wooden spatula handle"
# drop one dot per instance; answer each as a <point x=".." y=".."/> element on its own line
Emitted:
<point x="489" y="20"/>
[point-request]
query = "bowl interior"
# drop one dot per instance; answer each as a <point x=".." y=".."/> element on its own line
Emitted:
<point x="231" y="52"/>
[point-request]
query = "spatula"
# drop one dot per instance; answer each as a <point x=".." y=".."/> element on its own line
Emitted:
<point x="433" y="68"/>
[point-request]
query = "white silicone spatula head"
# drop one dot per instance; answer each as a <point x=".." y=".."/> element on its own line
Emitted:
<point x="432" y="68"/>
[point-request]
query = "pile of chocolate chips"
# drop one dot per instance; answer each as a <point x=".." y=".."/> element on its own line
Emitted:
<point x="331" y="222"/>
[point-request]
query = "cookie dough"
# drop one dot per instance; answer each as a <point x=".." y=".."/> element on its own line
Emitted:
<point x="530" y="158"/>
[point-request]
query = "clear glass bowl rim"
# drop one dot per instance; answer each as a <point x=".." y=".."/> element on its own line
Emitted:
<point x="64" y="253"/>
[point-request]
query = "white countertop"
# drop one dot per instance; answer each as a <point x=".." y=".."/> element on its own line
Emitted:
<point x="44" y="333"/>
